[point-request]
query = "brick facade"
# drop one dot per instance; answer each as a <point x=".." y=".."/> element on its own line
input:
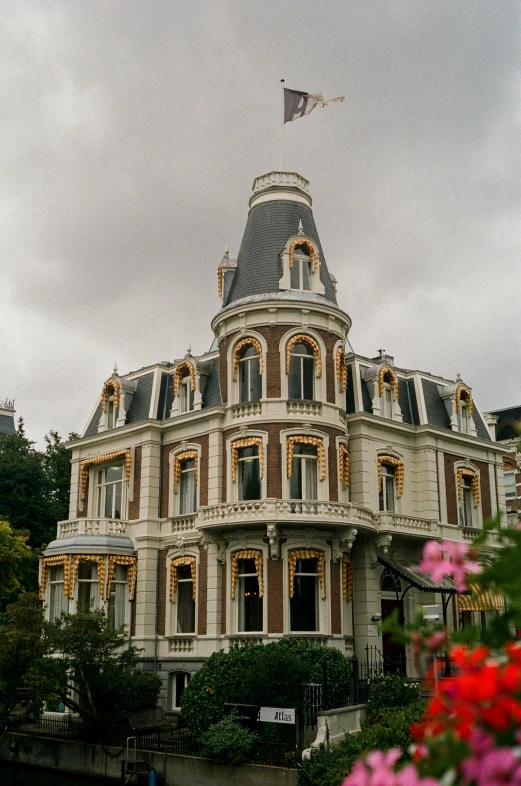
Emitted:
<point x="203" y="441"/>
<point x="202" y="606"/>
<point x="336" y="598"/>
<point x="275" y="596"/>
<point x="452" y="492"/>
<point x="133" y="506"/>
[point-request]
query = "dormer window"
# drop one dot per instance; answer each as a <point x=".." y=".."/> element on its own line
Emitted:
<point x="300" y="271"/>
<point x="386" y="405"/>
<point x="463" y="417"/>
<point x="186" y="393"/>
<point x="112" y="412"/>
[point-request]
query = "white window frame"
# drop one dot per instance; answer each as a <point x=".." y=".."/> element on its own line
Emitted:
<point x="240" y="464"/>
<point x="232" y="487"/>
<point x="463" y="418"/>
<point x="172" y="605"/>
<point x="324" y="604"/>
<point x="186" y="395"/>
<point x="173" y="676"/>
<point x="305" y="459"/>
<point x="50" y="585"/>
<point x="513" y="485"/>
<point x="94" y="486"/>
<point x="316" y="284"/>
<point x="238" y="599"/>
<point x="322" y="485"/>
<point x="98" y="601"/>
<point x="387" y="402"/>
<point x="383" y="493"/>
<point x="117" y="582"/>
<point x="476" y="510"/>
<point x="297" y="271"/>
<point x="174" y="497"/>
<point x="319" y="383"/>
<point x="234" y="385"/>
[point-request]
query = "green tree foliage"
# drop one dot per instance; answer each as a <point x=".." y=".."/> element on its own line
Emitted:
<point x="34" y="485"/>
<point x="228" y="742"/>
<point x="328" y="764"/>
<point x="267" y="675"/>
<point x="391" y="690"/>
<point x="18" y="563"/>
<point x="77" y="660"/>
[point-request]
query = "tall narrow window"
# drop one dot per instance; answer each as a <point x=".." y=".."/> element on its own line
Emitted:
<point x="112" y="413"/>
<point x="301" y="372"/>
<point x="386" y="496"/>
<point x="304" y="468"/>
<point x="304" y="603"/>
<point x="88" y="586"/>
<point x="186" y="394"/>
<point x="250" y="380"/>
<point x="300" y="272"/>
<point x="510" y="485"/>
<point x="56" y="592"/>
<point x="109" y="492"/>
<point x="387" y="402"/>
<point x="249" y="473"/>
<point x="250" y="601"/>
<point x="465" y="503"/>
<point x="187" y="490"/>
<point x="118" y="597"/>
<point x="178" y="681"/>
<point x="185" y="606"/>
<point x="463" y="417"/>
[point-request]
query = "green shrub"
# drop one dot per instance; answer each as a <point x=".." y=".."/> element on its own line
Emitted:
<point x="329" y="765"/>
<point x="228" y="742"/>
<point x="391" y="690"/>
<point x="267" y="675"/>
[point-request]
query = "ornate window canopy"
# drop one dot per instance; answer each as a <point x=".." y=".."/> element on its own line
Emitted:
<point x="174" y="574"/>
<point x="246" y="443"/>
<point x="255" y="554"/>
<point x="305" y="339"/>
<point x="463" y="472"/>
<point x="111" y="387"/>
<point x="463" y="392"/>
<point x="344" y="462"/>
<point x="341" y="367"/>
<point x="386" y="374"/>
<point x="186" y="455"/>
<point x="131" y="563"/>
<point x="246" y="342"/>
<point x="104" y="458"/>
<point x="185" y="365"/>
<point x="98" y="559"/>
<point x="297" y="554"/>
<point x="391" y="461"/>
<point x="313" y="253"/>
<point x="302" y="440"/>
<point x="347" y="577"/>
<point x="56" y="561"/>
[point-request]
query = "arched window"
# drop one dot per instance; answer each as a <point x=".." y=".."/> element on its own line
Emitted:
<point x="250" y="380"/>
<point x="249" y="476"/>
<point x="182" y="593"/>
<point x="304" y="469"/>
<point x="301" y="372"/>
<point x="386" y="491"/>
<point x="388" y="583"/>
<point x="248" y="587"/>
<point x="187" y="487"/>
<point x="300" y="269"/>
<point x="306" y="579"/>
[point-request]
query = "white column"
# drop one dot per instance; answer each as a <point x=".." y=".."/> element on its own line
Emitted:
<point x="150" y="468"/>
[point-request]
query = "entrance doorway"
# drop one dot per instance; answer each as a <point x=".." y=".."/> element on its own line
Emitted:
<point x="393" y="653"/>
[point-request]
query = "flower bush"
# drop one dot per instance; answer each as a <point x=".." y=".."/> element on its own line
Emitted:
<point x="391" y="690"/>
<point x="470" y="733"/>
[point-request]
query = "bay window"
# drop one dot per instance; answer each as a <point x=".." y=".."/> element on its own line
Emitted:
<point x="117" y="601"/>
<point x="301" y="372"/>
<point x="88" y="587"/>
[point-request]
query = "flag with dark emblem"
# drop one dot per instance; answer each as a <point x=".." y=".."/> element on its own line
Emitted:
<point x="297" y="104"/>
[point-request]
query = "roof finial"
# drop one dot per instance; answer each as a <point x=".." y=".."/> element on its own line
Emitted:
<point x="382" y="353"/>
<point x="300" y="228"/>
<point x="458" y="375"/>
<point x="115" y="369"/>
<point x="189" y="351"/>
<point x="226" y="251"/>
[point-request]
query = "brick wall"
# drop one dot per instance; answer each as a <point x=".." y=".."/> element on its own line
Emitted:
<point x="165" y="472"/>
<point x="275" y="596"/>
<point x="273" y="336"/>
<point x="275" y="464"/>
<point x="452" y="492"/>
<point x="202" y="608"/>
<point x="336" y="598"/>
<point x="161" y="605"/>
<point x="133" y="507"/>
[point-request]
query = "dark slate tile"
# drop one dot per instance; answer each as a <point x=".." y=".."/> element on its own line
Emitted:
<point x="366" y="398"/>
<point x="161" y="404"/>
<point x="212" y="391"/>
<point x="407" y="401"/>
<point x="481" y="429"/>
<point x="437" y="415"/>
<point x="7" y="425"/>
<point x="268" y="228"/>
<point x="350" y="392"/>
<point x="140" y="406"/>
<point x="92" y="428"/>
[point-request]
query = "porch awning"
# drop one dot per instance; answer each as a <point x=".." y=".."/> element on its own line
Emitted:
<point x="416" y="578"/>
<point x="481" y="600"/>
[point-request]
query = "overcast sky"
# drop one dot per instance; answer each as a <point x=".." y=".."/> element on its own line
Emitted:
<point x="131" y="131"/>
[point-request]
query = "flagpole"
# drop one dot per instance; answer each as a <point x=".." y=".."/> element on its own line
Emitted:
<point x="281" y="122"/>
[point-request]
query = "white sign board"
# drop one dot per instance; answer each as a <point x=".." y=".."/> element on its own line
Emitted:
<point x="276" y="715"/>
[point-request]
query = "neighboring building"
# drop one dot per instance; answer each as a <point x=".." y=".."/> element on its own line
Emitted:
<point x="277" y="486"/>
<point x="507" y="423"/>
<point x="7" y="412"/>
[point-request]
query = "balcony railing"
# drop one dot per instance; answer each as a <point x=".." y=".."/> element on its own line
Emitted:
<point x="284" y="510"/>
<point x="72" y="527"/>
<point x="408" y="524"/>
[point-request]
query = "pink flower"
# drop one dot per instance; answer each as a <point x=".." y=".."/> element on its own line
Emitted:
<point x="377" y="769"/>
<point x="448" y="559"/>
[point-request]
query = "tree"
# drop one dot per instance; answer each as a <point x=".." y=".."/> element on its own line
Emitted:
<point x="18" y="563"/>
<point x="87" y="666"/>
<point x="34" y="485"/>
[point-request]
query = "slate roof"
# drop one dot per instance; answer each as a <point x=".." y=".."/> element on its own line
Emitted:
<point x="407" y="402"/>
<point x="437" y="414"/>
<point x="212" y="391"/>
<point x="140" y="407"/>
<point x="268" y="228"/>
<point x="509" y="423"/>
<point x="7" y="424"/>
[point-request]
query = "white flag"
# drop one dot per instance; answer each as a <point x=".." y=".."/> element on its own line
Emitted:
<point x="297" y="104"/>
